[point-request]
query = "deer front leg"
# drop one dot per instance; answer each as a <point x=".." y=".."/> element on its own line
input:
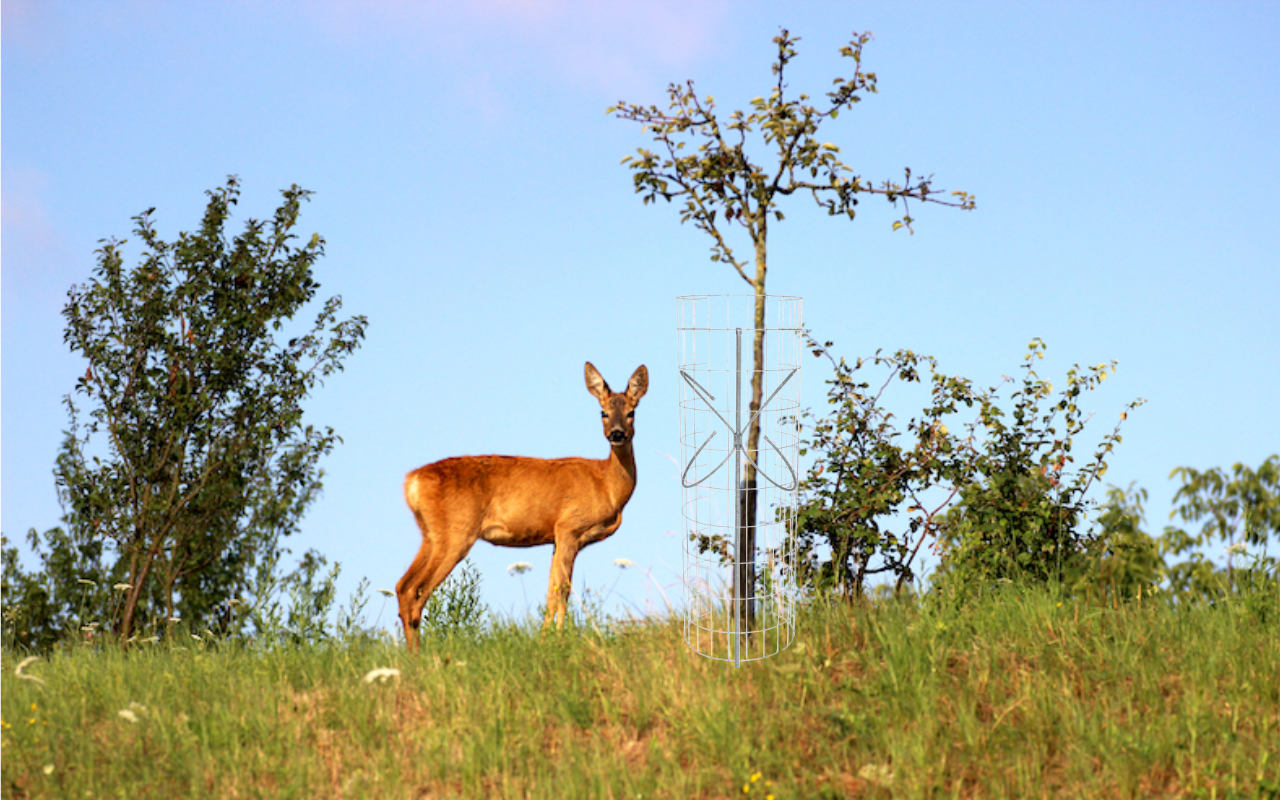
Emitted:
<point x="561" y="580"/>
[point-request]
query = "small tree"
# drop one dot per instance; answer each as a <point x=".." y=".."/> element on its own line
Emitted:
<point x="1022" y="514"/>
<point x="875" y="494"/>
<point x="723" y="189"/>
<point x="996" y="495"/>
<point x="1122" y="561"/>
<point x="41" y="608"/>
<point x="193" y="458"/>
<point x="1240" y="508"/>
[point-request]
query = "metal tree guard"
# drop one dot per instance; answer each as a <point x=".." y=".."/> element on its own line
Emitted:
<point x="739" y="570"/>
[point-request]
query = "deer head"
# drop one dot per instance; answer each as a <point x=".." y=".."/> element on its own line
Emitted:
<point x="618" y="409"/>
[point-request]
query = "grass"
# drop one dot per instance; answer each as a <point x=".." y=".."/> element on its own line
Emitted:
<point x="1023" y="695"/>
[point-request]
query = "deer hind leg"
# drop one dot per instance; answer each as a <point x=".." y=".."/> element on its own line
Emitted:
<point x="407" y="591"/>
<point x="446" y="556"/>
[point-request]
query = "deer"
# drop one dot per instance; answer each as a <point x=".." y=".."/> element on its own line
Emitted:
<point x="518" y="501"/>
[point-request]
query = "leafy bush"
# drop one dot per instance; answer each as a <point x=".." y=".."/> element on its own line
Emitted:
<point x="867" y="475"/>
<point x="300" y="607"/>
<point x="1022" y="514"/>
<point x="1121" y="561"/>
<point x="73" y="598"/>
<point x="73" y="589"/>
<point x="455" y="606"/>
<point x="1240" y="508"/>
<point x="999" y="499"/>
<point x="191" y="459"/>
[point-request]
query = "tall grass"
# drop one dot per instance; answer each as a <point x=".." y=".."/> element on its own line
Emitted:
<point x="1021" y="695"/>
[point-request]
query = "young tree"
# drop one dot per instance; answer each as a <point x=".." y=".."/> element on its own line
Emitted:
<point x="723" y="190"/>
<point x="1121" y="560"/>
<point x="997" y="496"/>
<point x="1240" y="508"/>
<point x="193" y="457"/>
<point x="1022" y="514"/>
<point x="876" y="493"/>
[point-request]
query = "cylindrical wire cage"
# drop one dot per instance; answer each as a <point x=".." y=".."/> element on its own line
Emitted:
<point x="739" y="371"/>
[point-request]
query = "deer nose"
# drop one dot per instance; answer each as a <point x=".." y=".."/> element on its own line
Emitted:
<point x="617" y="436"/>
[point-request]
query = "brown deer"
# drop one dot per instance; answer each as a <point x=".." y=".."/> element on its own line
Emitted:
<point x="515" y="501"/>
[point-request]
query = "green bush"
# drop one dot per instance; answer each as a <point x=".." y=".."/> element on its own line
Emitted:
<point x="997" y="495"/>
<point x="455" y="606"/>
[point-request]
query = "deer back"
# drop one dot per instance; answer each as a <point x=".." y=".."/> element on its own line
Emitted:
<point x="515" y="500"/>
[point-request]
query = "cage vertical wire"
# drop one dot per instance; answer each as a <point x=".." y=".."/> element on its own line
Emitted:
<point x="739" y="576"/>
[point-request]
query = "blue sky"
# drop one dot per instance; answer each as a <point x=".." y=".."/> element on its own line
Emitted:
<point x="468" y="183"/>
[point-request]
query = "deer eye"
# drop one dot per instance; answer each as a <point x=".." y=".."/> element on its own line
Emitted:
<point x="631" y="415"/>
<point x="604" y="415"/>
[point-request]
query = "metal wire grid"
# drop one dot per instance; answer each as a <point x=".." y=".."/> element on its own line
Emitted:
<point x="723" y="620"/>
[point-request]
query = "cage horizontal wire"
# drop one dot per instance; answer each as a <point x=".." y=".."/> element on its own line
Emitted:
<point x="739" y="489"/>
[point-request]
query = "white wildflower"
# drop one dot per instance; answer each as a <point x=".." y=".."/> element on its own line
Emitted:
<point x="624" y="563"/>
<point x="86" y="582"/>
<point x="381" y="675"/>
<point x="876" y="773"/>
<point x="26" y="662"/>
<point x="122" y="587"/>
<point x="47" y="769"/>
<point x="1237" y="549"/>
<point x="519" y="568"/>
<point x="126" y="713"/>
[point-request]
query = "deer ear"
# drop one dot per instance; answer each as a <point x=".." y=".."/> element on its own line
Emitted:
<point x="596" y="384"/>
<point x="638" y="385"/>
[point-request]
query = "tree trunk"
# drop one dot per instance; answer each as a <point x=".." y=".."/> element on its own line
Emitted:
<point x="131" y="601"/>
<point x="138" y="578"/>
<point x="747" y="499"/>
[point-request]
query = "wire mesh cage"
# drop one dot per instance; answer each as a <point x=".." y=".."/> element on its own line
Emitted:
<point x="739" y="444"/>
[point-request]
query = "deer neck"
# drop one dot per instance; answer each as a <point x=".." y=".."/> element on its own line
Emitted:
<point x="620" y="470"/>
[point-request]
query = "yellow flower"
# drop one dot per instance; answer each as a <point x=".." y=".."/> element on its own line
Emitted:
<point x="755" y="776"/>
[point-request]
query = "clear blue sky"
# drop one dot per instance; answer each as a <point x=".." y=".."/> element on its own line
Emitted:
<point x="1124" y="157"/>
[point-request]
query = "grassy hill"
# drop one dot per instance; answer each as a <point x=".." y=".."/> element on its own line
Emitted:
<point x="1022" y="695"/>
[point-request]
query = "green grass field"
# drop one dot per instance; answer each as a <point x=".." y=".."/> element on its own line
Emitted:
<point x="1019" y="696"/>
